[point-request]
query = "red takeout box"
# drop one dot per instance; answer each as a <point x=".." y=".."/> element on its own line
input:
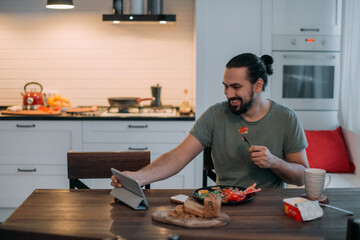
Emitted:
<point x="291" y="208"/>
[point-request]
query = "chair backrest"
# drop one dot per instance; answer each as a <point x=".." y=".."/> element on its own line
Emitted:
<point x="353" y="229"/>
<point x="208" y="167"/>
<point x="91" y="165"/>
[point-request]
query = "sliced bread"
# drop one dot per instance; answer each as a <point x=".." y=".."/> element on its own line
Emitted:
<point x="178" y="212"/>
<point x="194" y="208"/>
<point x="180" y="198"/>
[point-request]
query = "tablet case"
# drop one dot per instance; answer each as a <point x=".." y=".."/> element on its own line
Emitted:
<point x="131" y="193"/>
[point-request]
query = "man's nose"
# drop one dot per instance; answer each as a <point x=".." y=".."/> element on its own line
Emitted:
<point x="229" y="93"/>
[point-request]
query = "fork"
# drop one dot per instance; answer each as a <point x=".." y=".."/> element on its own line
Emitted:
<point x="243" y="131"/>
<point x="243" y="136"/>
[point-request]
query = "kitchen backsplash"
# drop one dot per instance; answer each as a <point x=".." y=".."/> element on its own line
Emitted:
<point x="74" y="53"/>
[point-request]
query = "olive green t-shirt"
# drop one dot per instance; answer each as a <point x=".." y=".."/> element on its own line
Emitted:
<point x="279" y="130"/>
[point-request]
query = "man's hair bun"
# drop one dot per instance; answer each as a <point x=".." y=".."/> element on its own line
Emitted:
<point x="268" y="61"/>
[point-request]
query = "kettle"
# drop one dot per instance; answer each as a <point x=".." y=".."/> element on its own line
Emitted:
<point x="33" y="99"/>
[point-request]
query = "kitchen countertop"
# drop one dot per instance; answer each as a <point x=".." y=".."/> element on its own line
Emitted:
<point x="97" y="117"/>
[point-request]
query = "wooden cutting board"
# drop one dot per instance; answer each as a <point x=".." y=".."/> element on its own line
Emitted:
<point x="163" y="217"/>
<point x="30" y="113"/>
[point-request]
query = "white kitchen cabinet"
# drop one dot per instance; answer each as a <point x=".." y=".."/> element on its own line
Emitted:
<point x="307" y="17"/>
<point x="17" y="186"/>
<point x="38" y="142"/>
<point x="33" y="155"/>
<point x="156" y="136"/>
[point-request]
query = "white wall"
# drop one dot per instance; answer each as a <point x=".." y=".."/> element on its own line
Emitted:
<point x="318" y="120"/>
<point x="225" y="29"/>
<point x="73" y="52"/>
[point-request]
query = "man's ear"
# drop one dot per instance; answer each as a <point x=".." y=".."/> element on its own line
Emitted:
<point x="259" y="85"/>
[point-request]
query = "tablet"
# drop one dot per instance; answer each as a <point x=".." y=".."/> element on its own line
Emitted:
<point x="130" y="193"/>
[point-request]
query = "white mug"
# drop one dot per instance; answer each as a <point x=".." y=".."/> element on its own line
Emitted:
<point x="315" y="182"/>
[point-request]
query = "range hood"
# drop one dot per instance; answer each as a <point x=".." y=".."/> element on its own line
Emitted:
<point x="154" y="12"/>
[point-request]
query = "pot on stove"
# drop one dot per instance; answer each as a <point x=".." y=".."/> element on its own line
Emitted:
<point x="124" y="103"/>
<point x="32" y="98"/>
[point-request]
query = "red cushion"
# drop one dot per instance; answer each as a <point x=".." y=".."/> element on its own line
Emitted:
<point x="327" y="150"/>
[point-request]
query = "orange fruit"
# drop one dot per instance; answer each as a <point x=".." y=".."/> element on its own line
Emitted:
<point x="51" y="101"/>
<point x="57" y="97"/>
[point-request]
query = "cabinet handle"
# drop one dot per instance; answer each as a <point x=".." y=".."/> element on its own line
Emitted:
<point x="309" y="29"/>
<point x="26" y="170"/>
<point x="138" y="126"/>
<point x="138" y="149"/>
<point x="25" y="126"/>
<point x="311" y="57"/>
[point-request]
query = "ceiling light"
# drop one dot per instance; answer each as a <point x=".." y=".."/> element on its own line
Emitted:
<point x="60" y="4"/>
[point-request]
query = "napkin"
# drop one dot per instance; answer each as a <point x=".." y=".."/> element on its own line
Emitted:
<point x="310" y="210"/>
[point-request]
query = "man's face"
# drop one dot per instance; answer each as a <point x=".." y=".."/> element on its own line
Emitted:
<point x="238" y="90"/>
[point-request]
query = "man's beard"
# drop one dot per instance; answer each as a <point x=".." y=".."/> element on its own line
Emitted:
<point x="244" y="107"/>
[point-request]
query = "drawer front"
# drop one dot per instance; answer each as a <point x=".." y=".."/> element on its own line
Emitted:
<point x="154" y="148"/>
<point x="157" y="137"/>
<point x="175" y="182"/>
<point x="185" y="179"/>
<point x="182" y="180"/>
<point x="33" y="170"/>
<point x="138" y="125"/>
<point x="38" y="142"/>
<point x="17" y="182"/>
<point x="135" y="132"/>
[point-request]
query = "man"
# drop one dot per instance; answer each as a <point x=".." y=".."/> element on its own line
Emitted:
<point x="277" y="153"/>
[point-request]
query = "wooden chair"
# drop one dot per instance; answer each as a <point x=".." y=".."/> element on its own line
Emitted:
<point x="353" y="229"/>
<point x="208" y="167"/>
<point x="91" y="165"/>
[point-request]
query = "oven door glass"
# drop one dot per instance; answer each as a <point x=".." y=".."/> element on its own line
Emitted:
<point x="302" y="81"/>
<point x="306" y="80"/>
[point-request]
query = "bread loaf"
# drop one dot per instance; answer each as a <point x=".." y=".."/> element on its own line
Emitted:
<point x="212" y="206"/>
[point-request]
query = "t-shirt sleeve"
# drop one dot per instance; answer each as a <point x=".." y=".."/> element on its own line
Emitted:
<point x="204" y="128"/>
<point x="295" y="137"/>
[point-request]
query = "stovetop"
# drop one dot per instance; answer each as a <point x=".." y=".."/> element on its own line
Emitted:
<point x="146" y="111"/>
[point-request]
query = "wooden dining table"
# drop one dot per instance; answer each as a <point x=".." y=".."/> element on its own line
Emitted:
<point x="93" y="213"/>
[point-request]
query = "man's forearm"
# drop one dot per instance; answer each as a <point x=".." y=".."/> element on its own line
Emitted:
<point x="292" y="173"/>
<point x="291" y="170"/>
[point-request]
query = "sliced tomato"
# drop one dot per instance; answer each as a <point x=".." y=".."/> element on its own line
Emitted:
<point x="243" y="130"/>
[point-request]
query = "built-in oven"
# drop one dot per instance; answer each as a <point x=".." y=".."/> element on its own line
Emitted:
<point x="306" y="71"/>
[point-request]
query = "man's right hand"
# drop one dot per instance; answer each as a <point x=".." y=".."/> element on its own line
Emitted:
<point x="116" y="183"/>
